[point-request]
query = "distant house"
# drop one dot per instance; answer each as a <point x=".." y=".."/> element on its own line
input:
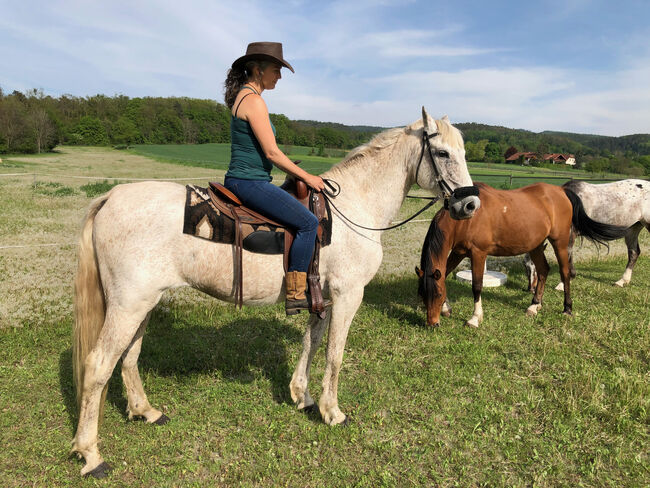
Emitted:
<point x="569" y="159"/>
<point x="555" y="158"/>
<point x="525" y="157"/>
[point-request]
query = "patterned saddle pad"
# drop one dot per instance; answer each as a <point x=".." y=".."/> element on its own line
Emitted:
<point x="203" y="219"/>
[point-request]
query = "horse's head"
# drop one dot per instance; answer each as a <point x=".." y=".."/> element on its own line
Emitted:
<point x="432" y="273"/>
<point x="442" y="167"/>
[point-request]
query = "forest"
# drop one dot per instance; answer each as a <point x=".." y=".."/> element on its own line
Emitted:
<point x="33" y="122"/>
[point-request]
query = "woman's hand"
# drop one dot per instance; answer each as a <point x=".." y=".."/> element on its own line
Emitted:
<point x="315" y="182"/>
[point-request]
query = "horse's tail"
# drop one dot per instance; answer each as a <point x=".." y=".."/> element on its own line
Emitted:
<point x="593" y="230"/>
<point x="89" y="305"/>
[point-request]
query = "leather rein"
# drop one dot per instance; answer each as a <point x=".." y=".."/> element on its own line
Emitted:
<point x="333" y="188"/>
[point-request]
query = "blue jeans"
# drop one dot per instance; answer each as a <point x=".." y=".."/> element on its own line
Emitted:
<point x="275" y="203"/>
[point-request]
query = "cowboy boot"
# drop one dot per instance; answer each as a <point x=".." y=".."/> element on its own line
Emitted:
<point x="296" y="284"/>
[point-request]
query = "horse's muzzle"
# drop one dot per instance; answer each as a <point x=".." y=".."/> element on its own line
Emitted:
<point x="464" y="202"/>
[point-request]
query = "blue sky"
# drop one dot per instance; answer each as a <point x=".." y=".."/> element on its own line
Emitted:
<point x="570" y="65"/>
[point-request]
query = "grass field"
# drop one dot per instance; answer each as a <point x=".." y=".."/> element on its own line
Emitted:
<point x="550" y="401"/>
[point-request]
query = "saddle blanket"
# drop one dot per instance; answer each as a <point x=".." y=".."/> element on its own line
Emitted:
<point x="203" y="219"/>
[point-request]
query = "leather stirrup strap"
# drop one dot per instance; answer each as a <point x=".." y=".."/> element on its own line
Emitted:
<point x="238" y="278"/>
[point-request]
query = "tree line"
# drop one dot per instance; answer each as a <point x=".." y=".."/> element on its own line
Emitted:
<point x="33" y="122"/>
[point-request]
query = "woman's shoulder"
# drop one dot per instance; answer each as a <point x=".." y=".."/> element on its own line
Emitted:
<point x="250" y="104"/>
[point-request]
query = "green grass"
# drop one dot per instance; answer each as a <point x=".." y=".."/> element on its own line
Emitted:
<point x="551" y="401"/>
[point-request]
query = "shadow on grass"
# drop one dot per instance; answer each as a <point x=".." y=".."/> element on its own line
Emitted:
<point x="398" y="298"/>
<point x="241" y="350"/>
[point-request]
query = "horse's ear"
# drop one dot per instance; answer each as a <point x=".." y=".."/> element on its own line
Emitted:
<point x="446" y="119"/>
<point x="425" y="119"/>
<point x="419" y="272"/>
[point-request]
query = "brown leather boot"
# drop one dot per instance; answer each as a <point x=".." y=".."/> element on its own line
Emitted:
<point x="296" y="301"/>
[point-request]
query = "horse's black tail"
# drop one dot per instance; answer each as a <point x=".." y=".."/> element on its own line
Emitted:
<point x="593" y="230"/>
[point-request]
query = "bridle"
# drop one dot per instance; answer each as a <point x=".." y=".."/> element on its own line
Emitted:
<point x="333" y="188"/>
<point x="446" y="190"/>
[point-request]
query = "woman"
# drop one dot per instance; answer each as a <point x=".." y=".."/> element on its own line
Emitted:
<point x="254" y="151"/>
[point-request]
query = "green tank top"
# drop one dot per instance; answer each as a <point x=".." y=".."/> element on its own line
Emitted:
<point x="247" y="160"/>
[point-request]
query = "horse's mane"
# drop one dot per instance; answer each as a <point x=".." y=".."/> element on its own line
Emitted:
<point x="433" y="243"/>
<point x="390" y="137"/>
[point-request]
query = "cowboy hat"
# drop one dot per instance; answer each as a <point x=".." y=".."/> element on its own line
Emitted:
<point x="263" y="50"/>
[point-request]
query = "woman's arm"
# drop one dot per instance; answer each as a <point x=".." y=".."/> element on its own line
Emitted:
<point x="258" y="117"/>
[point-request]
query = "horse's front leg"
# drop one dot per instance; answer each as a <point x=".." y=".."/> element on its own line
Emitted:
<point x="453" y="260"/>
<point x="343" y="310"/>
<point x="478" y="268"/>
<point x="300" y="379"/>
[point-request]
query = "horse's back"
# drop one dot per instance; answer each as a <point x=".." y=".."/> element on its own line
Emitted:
<point x="623" y="202"/>
<point x="512" y="222"/>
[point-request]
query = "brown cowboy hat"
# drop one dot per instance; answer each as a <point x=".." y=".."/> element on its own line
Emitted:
<point x="263" y="50"/>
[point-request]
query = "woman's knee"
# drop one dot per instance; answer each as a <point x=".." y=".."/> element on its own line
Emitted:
<point x="311" y="223"/>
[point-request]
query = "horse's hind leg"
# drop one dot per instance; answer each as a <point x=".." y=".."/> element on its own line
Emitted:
<point x="633" y="251"/>
<point x="478" y="268"/>
<point x="138" y="405"/>
<point x="539" y="260"/>
<point x="117" y="333"/>
<point x="572" y="268"/>
<point x="563" y="259"/>
<point x="300" y="379"/>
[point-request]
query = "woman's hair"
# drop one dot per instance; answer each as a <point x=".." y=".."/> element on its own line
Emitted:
<point x="238" y="76"/>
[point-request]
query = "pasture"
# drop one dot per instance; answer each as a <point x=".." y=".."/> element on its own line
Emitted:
<point x="547" y="401"/>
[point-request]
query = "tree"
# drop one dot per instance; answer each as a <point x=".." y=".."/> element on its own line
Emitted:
<point x="43" y="128"/>
<point x="90" y="132"/>
<point x="492" y="152"/>
<point x="124" y="131"/>
<point x="476" y="151"/>
<point x="510" y="151"/>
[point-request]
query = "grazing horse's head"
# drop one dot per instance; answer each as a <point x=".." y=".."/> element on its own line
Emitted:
<point x="431" y="275"/>
<point x="443" y="169"/>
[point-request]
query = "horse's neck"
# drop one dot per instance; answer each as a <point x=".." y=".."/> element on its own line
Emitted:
<point x="376" y="186"/>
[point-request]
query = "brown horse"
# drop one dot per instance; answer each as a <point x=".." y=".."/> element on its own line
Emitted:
<point x="509" y="222"/>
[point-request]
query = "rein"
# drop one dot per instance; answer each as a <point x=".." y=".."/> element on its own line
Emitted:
<point x="333" y="189"/>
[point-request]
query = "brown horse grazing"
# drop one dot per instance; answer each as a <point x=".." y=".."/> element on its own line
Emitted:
<point x="509" y="222"/>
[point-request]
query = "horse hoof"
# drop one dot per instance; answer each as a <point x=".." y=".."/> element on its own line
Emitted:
<point x="310" y="409"/>
<point x="433" y="326"/>
<point x="99" y="472"/>
<point x="162" y="420"/>
<point x="471" y="325"/>
<point x="346" y="422"/>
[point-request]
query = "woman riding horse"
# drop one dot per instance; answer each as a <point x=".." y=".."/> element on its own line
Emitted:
<point x="253" y="153"/>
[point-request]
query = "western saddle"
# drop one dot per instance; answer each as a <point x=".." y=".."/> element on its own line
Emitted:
<point x="230" y="205"/>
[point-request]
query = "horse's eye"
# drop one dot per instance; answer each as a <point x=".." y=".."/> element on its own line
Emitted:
<point x="443" y="154"/>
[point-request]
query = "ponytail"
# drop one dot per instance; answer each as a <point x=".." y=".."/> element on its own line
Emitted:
<point x="235" y="79"/>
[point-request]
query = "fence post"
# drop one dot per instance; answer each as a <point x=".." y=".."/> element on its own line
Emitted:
<point x="510" y="184"/>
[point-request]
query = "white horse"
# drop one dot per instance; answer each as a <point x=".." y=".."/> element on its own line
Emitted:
<point x="624" y="203"/>
<point x="132" y="250"/>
